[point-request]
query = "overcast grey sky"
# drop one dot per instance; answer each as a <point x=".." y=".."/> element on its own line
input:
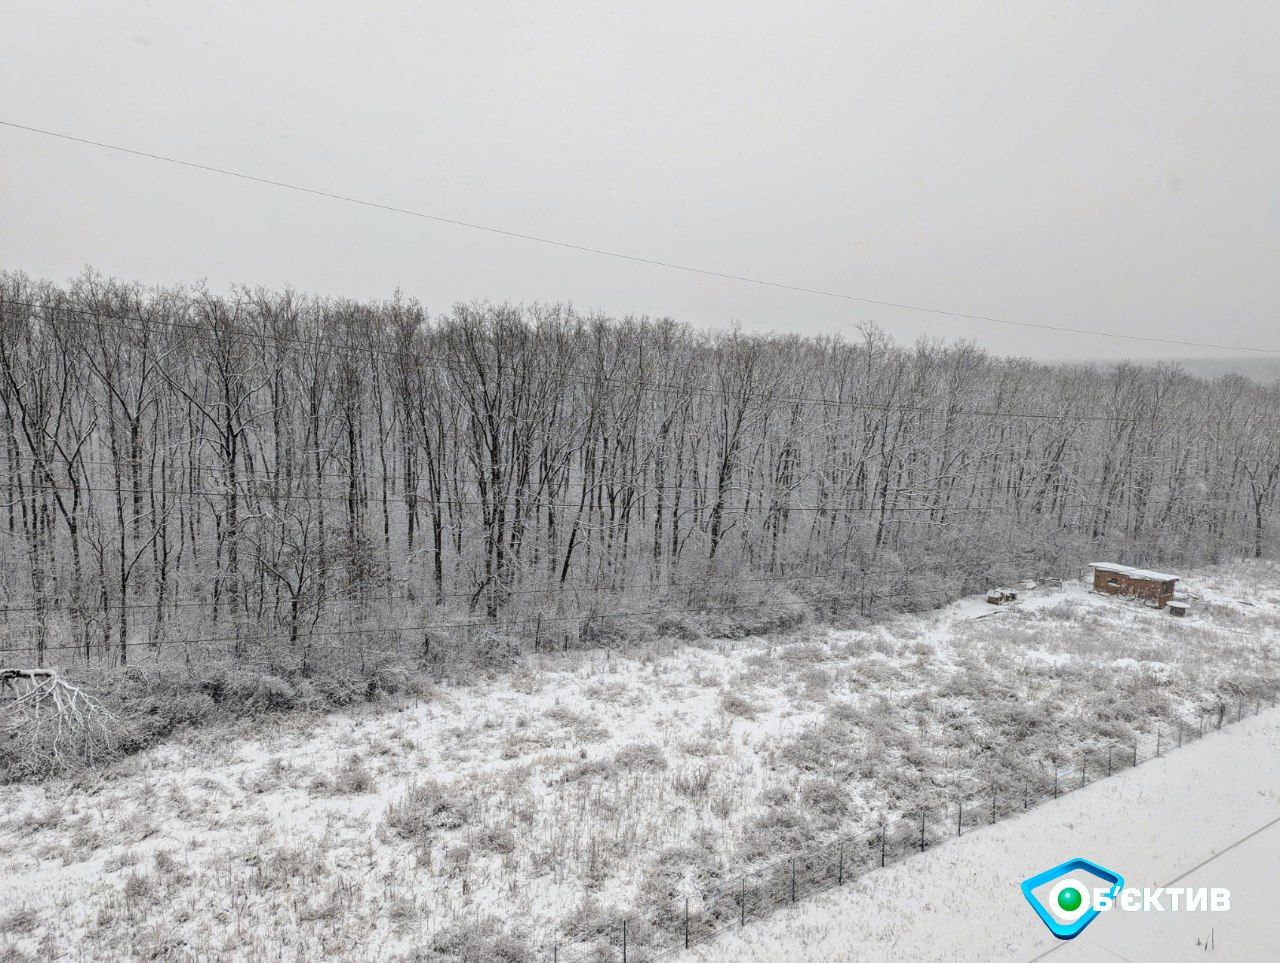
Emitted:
<point x="1095" y="164"/>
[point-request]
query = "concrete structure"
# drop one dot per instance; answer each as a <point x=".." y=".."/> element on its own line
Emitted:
<point x="1111" y="578"/>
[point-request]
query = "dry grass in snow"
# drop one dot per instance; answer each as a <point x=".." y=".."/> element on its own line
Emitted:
<point x="495" y="819"/>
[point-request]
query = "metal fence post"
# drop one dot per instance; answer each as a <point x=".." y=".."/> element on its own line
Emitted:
<point x="1135" y="750"/>
<point x="1157" y="740"/>
<point x="959" y="816"/>
<point x="742" y="903"/>
<point x="922" y="830"/>
<point x="840" y="866"/>
<point x="624" y="941"/>
<point x="882" y="845"/>
<point x="793" y="879"/>
<point x="1055" y="780"/>
<point x="993" y="802"/>
<point x="686" y="922"/>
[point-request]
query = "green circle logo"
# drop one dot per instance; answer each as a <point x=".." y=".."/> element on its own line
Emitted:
<point x="1070" y="899"/>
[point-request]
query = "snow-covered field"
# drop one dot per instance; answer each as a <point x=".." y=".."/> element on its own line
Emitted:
<point x="534" y="808"/>
<point x="1187" y="819"/>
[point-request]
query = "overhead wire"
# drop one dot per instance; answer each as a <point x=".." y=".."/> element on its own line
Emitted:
<point x="470" y="624"/>
<point x="619" y="255"/>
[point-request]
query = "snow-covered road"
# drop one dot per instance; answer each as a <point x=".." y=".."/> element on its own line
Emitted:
<point x="1205" y="815"/>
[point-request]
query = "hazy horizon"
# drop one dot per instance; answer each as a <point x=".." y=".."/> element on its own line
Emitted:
<point x="1260" y="368"/>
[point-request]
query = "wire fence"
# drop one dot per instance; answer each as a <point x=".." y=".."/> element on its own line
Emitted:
<point x="664" y="929"/>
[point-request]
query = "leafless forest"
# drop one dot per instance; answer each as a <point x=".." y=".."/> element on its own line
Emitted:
<point x="265" y="464"/>
<point x="291" y="484"/>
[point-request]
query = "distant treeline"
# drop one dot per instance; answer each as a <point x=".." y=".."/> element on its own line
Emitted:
<point x="267" y="462"/>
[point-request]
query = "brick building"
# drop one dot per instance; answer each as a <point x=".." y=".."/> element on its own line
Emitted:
<point x="1110" y="578"/>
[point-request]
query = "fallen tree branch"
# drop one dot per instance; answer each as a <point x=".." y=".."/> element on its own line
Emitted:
<point x="49" y="723"/>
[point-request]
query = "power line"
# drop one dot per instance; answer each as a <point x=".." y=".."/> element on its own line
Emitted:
<point x="562" y="588"/>
<point x="252" y="475"/>
<point x="1048" y="497"/>
<point x="103" y="319"/>
<point x="595" y="589"/>
<point x="400" y="630"/>
<point x="468" y="625"/>
<point x="707" y="507"/>
<point x="636" y="259"/>
<point x="301" y="473"/>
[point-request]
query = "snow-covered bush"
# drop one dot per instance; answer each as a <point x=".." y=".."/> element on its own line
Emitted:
<point x="735" y="704"/>
<point x="427" y="808"/>
<point x="488" y="939"/>
<point x="641" y="757"/>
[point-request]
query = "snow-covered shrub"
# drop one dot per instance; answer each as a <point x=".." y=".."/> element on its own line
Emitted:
<point x="1244" y="686"/>
<point x="280" y="866"/>
<point x="392" y="677"/>
<point x="606" y="630"/>
<point x="829" y="747"/>
<point x="427" y="808"/>
<point x="692" y="782"/>
<point x="138" y="888"/>
<point x="676" y="872"/>
<point x="577" y="727"/>
<point x="496" y="839"/>
<point x="702" y="745"/>
<point x="803" y="653"/>
<point x="166" y="865"/>
<point x="850" y="713"/>
<point x="735" y="704"/>
<point x="487" y="939"/>
<point x="587" y="769"/>
<point x="267" y="693"/>
<point x="732" y="615"/>
<point x="641" y="757"/>
<point x="827" y="799"/>
<point x="20" y="921"/>
<point x="785" y="824"/>
<point x="352" y="777"/>
<point x="522" y="744"/>
<point x="588" y="920"/>
<point x="874" y="673"/>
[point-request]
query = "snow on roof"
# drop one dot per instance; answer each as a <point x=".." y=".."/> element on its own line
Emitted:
<point x="1135" y="572"/>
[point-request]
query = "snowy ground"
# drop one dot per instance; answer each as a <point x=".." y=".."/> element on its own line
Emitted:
<point x="502" y="817"/>
<point x="1197" y="809"/>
